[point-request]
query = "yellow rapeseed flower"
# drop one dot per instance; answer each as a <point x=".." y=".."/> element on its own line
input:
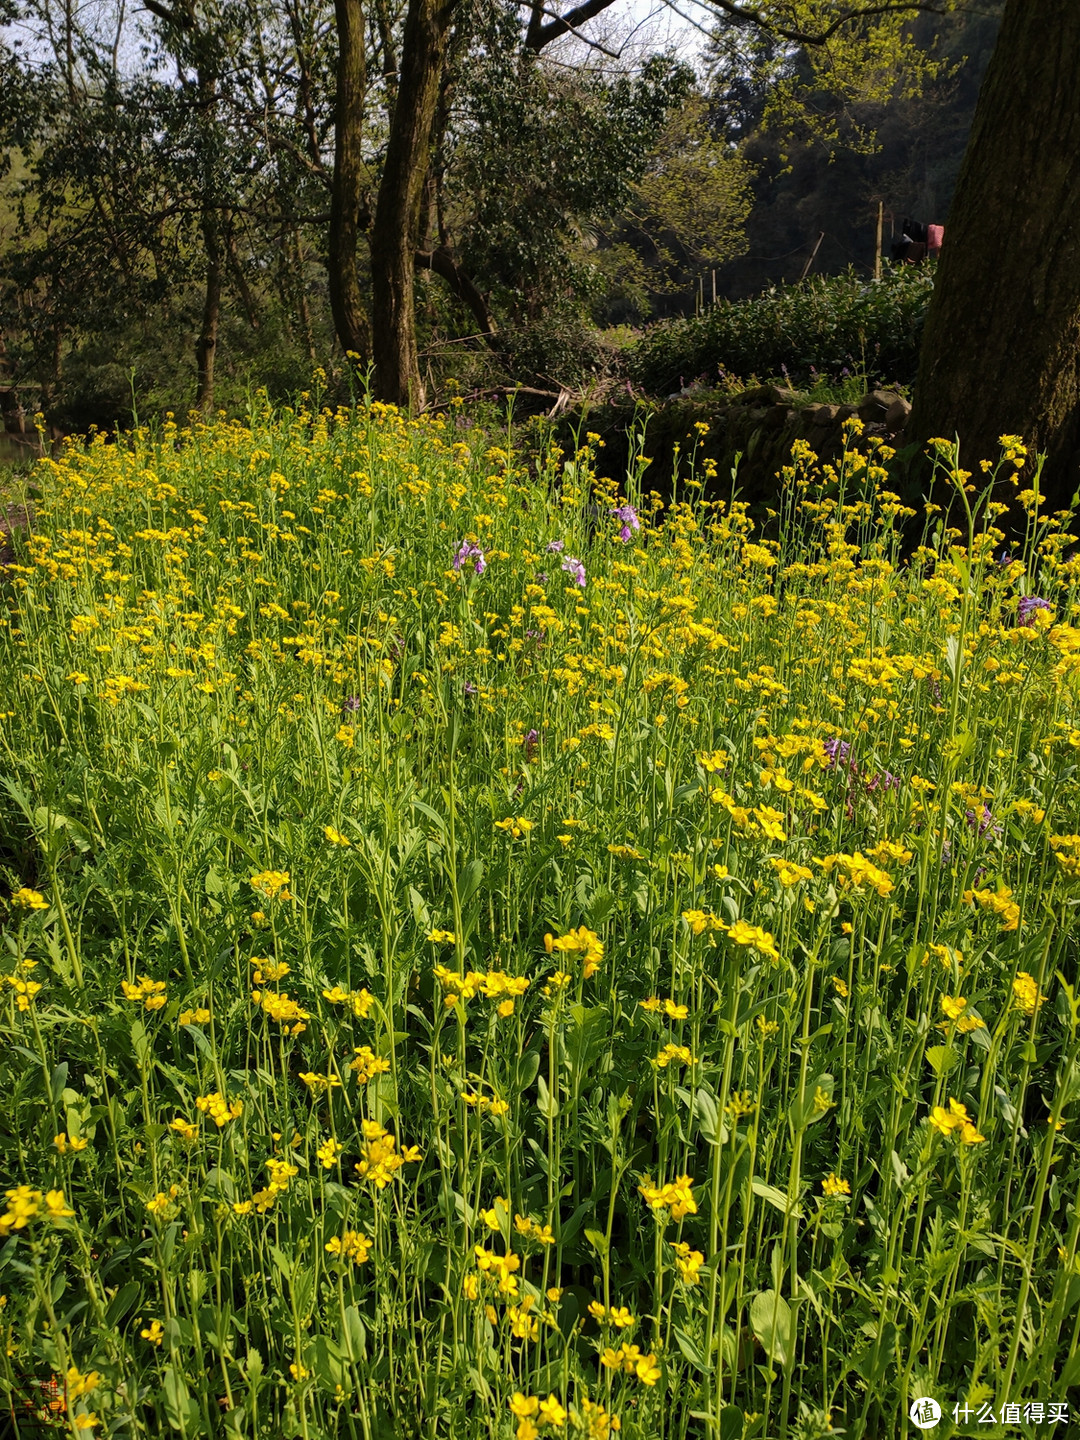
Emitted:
<point x="27" y="899"/>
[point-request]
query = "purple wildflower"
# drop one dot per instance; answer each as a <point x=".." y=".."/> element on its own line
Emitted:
<point x="351" y="704"/>
<point x="630" y="522"/>
<point x="470" y="552"/>
<point x="470" y="688"/>
<point x="838" y="751"/>
<point x="981" y="820"/>
<point x="531" y="743"/>
<point x="884" y="781"/>
<point x="575" y="569"/>
<point x="556" y="545"/>
<point x="1028" y="605"/>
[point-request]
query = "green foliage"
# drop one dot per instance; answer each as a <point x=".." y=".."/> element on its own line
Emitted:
<point x="809" y="189"/>
<point x="824" y="326"/>
<point x="545" y="157"/>
<point x="688" y="209"/>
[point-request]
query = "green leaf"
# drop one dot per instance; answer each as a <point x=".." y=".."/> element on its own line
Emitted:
<point x="770" y="1320"/>
<point x="433" y="815"/>
<point x="328" y="1364"/>
<point x="941" y="1058"/>
<point x="282" y="1262"/>
<point x="731" y="1423"/>
<point x="710" y="1121"/>
<point x="777" y="1198"/>
<point x="181" y="1410"/>
<point x="469" y="880"/>
<point x="546" y="1103"/>
<point x="355" y="1334"/>
<point x="139" y="1042"/>
<point x="122" y="1302"/>
<point x="692" y="1351"/>
<point x="527" y="1070"/>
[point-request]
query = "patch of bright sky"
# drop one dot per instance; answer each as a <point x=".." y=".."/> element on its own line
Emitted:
<point x="634" y="29"/>
<point x="627" y="32"/>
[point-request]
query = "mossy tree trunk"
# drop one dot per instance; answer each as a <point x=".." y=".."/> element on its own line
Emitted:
<point x="396" y="231"/>
<point x="346" y="298"/>
<point x="1001" y="348"/>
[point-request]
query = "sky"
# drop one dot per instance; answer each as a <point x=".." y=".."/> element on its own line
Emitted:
<point x="631" y="29"/>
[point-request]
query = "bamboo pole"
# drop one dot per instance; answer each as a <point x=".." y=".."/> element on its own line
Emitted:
<point x="813" y="256"/>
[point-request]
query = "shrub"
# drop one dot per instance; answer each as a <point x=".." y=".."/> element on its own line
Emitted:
<point x="830" y="325"/>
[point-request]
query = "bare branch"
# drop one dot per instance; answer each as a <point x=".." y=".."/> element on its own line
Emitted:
<point x="170" y="17"/>
<point x="564" y="24"/>
<point x="806" y="37"/>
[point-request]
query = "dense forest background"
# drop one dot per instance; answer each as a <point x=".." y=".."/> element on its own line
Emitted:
<point x="152" y="168"/>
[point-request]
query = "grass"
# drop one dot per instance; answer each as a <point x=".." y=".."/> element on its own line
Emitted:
<point x="480" y="964"/>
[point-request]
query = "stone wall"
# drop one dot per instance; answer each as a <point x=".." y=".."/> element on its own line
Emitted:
<point x="761" y="423"/>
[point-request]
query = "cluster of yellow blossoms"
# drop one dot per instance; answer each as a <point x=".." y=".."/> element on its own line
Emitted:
<point x="998" y="902"/>
<point x="1067" y="850"/>
<point x="150" y="992"/>
<point x="856" y="870"/>
<point x="358" y="1001"/>
<point x="578" y="942"/>
<point x="688" y="1262"/>
<point x="26" y="899"/>
<point x="490" y="983"/>
<point x="669" y="1007"/>
<point x="957" y="1014"/>
<point x="25" y="990"/>
<point x="281" y="1172"/>
<point x="955" y="1119"/>
<point x="366" y="1064"/>
<point x="26" y="1204"/>
<point x="673" y="1052"/>
<point x="631" y="1361"/>
<point x="273" y="884"/>
<point x="380" y="1159"/>
<point x="220" y="1110"/>
<point x="676" y="1197"/>
<point x="1026" y="995"/>
<point x="279" y="1007"/>
<point x="353" y="1246"/>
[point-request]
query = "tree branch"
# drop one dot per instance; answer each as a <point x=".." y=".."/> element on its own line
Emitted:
<point x="806" y="37"/>
<point x="538" y="35"/>
<point x="442" y="262"/>
<point x="563" y="24"/>
<point x="170" y="17"/>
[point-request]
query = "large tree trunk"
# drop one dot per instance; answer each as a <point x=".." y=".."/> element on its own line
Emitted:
<point x="1001" y="347"/>
<point x="206" y="346"/>
<point x="396" y="231"/>
<point x="346" y="300"/>
<point x="214" y="226"/>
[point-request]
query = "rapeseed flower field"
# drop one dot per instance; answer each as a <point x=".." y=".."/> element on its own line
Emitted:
<point x="492" y="953"/>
